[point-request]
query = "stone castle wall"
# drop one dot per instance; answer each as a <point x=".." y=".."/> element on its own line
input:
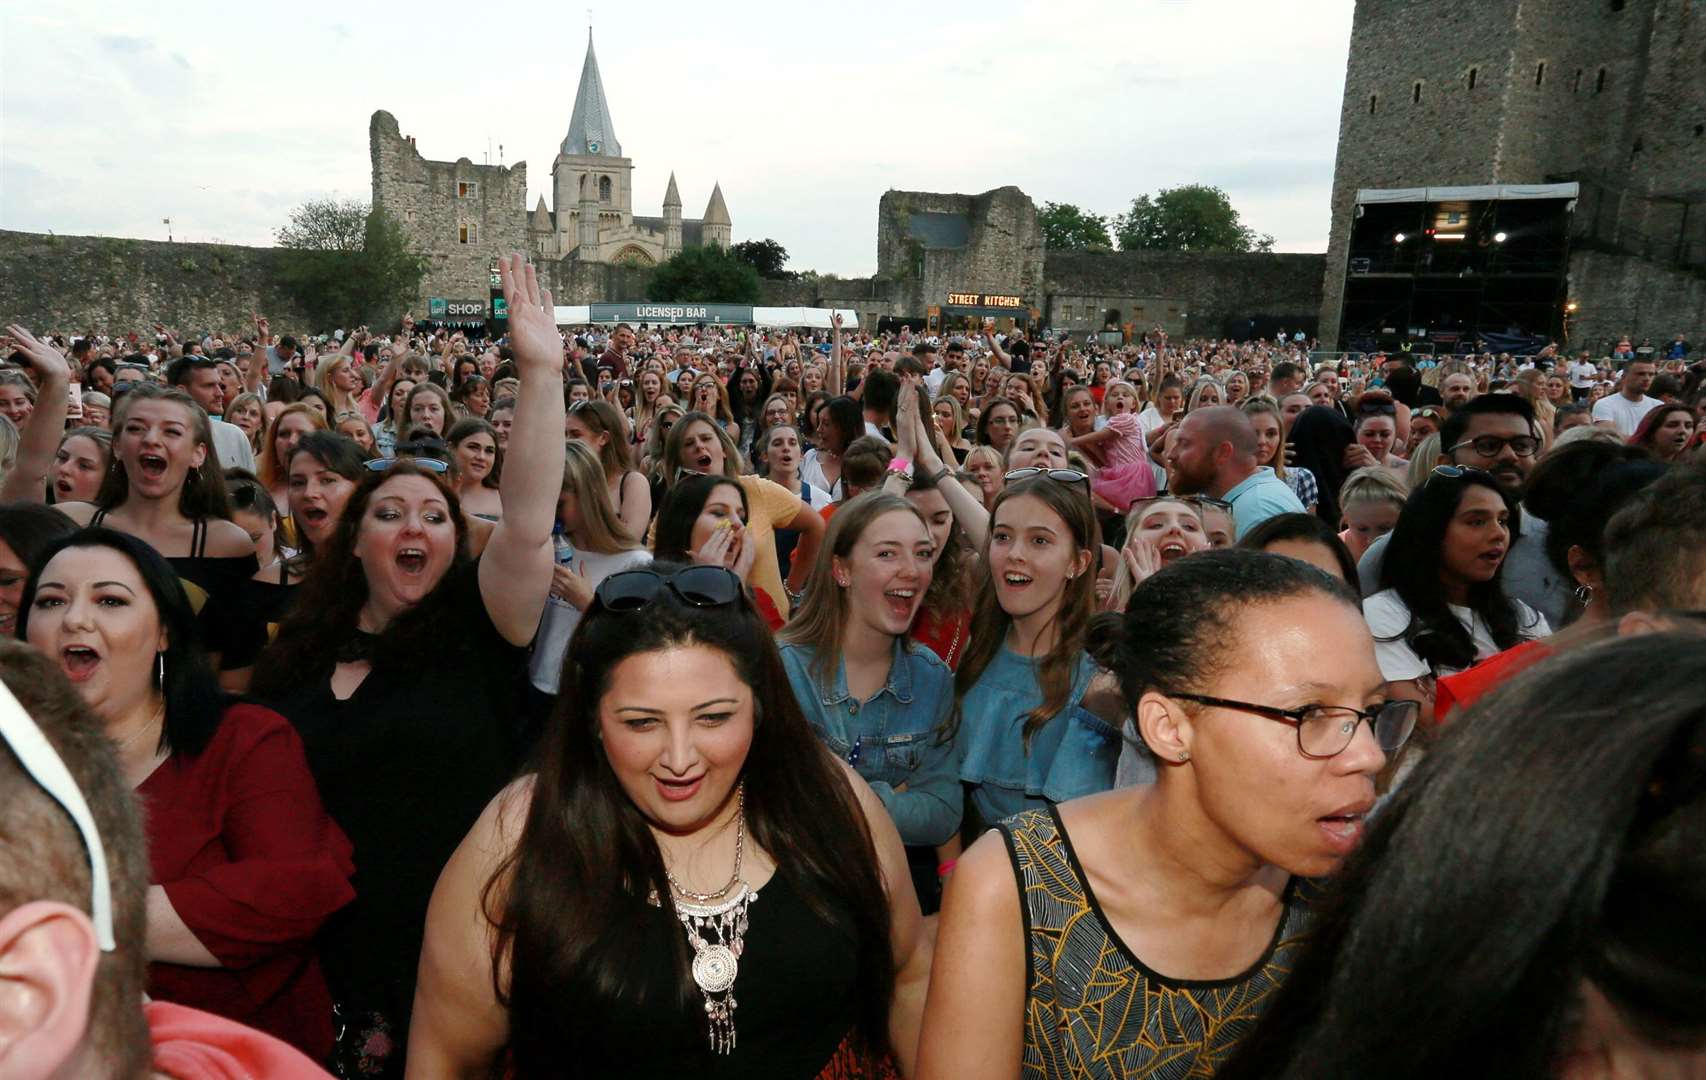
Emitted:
<point x="433" y="210"/>
<point x="1003" y="252"/>
<point x="113" y="285"/>
<point x="1187" y="294"/>
<point x="1461" y="92"/>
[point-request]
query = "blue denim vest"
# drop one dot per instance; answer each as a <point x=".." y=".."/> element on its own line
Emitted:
<point x="892" y="738"/>
<point x="1073" y="754"/>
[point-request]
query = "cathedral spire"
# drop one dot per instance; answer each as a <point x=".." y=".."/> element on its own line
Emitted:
<point x="591" y="132"/>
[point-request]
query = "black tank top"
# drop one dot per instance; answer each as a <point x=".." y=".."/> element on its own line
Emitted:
<point x="795" y="991"/>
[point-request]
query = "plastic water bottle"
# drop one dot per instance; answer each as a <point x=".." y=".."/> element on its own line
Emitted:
<point x="563" y="551"/>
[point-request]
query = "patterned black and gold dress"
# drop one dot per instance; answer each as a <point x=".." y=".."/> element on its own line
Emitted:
<point x="1093" y="1010"/>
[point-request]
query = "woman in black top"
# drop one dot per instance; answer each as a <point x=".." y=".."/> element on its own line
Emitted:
<point x="401" y="666"/>
<point x="166" y="487"/>
<point x="686" y="843"/>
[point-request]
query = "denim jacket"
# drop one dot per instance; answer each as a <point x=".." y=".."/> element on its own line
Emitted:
<point x="1073" y="754"/>
<point x="892" y="737"/>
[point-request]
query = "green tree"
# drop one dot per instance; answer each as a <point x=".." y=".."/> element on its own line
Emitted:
<point x="325" y="225"/>
<point x="767" y="257"/>
<point x="1069" y="228"/>
<point x="347" y="265"/>
<point x="1195" y="217"/>
<point x="705" y="275"/>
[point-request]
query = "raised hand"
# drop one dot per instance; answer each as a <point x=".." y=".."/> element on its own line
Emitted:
<point x="48" y="362"/>
<point x="532" y="318"/>
<point x="1141" y="559"/>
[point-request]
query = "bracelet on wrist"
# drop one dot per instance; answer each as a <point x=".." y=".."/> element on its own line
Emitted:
<point x="943" y="869"/>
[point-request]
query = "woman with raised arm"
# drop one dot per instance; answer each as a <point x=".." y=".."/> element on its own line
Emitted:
<point x="41" y="428"/>
<point x="401" y="665"/>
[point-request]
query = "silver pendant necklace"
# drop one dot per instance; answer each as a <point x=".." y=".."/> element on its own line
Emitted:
<point x="716" y="925"/>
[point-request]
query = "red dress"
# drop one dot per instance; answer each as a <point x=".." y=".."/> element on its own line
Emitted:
<point x="253" y="865"/>
<point x="944" y="634"/>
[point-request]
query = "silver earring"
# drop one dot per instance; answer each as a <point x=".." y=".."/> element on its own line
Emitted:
<point x="160" y="670"/>
<point x="1584" y="594"/>
<point x="1184" y="756"/>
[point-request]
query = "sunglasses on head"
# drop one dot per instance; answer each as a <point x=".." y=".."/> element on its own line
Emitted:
<point x="696" y="586"/>
<point x="1063" y="476"/>
<point x="430" y="464"/>
<point x="1458" y="472"/>
<point x="1198" y="501"/>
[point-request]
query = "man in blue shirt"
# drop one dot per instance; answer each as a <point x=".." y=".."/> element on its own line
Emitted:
<point x="1215" y="455"/>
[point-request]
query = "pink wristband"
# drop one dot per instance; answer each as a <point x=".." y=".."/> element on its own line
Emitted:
<point x="944" y="869"/>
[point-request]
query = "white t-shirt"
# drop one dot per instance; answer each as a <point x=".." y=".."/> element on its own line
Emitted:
<point x="811" y="471"/>
<point x="1583" y="373"/>
<point x="558" y="624"/>
<point x="1626" y="414"/>
<point x="1389" y="617"/>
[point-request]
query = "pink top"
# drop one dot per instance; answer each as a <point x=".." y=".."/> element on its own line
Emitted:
<point x="193" y="1045"/>
<point x="1128" y="449"/>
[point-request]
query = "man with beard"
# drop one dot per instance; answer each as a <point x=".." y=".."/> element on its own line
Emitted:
<point x="1496" y="434"/>
<point x="1215" y="455"/>
<point x="1456" y="389"/>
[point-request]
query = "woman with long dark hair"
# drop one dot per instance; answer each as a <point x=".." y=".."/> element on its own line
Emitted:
<point x="26" y="530"/>
<point x="401" y="666"/>
<point x="245" y="864"/>
<point x="704" y="847"/>
<point x="1139" y="932"/>
<point x="1441" y="606"/>
<point x="1666" y="432"/>
<point x="321" y="475"/>
<point x="480" y="464"/>
<point x="1562" y="818"/>
<point x="1321" y="435"/>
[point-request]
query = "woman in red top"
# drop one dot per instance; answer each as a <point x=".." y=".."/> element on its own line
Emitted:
<point x="245" y="864"/>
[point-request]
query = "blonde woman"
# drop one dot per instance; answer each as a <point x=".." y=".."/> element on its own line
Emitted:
<point x="1369" y="502"/>
<point x="249" y="413"/>
<point x="1264" y="414"/>
<point x="1422" y="462"/>
<point x="1530" y="385"/>
<point x="652" y="447"/>
<point x="602" y="426"/>
<point x="340" y="382"/>
<point x="951" y="422"/>
<point x="592" y="544"/>
<point x="985" y="465"/>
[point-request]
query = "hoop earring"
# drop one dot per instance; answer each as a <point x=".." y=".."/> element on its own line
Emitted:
<point x="1584" y="594"/>
<point x="160" y="671"/>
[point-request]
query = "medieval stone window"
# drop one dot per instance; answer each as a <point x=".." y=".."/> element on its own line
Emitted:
<point x="604" y="189"/>
<point x="1066" y="313"/>
<point x="1472" y="73"/>
<point x="1416" y="94"/>
<point x="1373" y="102"/>
<point x="1599" y="82"/>
<point x="1540" y="73"/>
<point x="468" y="232"/>
<point x="467" y="189"/>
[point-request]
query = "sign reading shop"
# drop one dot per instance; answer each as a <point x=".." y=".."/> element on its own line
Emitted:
<point x="439" y="308"/>
<point x="986" y="300"/>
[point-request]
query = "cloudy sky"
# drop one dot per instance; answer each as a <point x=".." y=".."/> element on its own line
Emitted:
<point x="222" y="117"/>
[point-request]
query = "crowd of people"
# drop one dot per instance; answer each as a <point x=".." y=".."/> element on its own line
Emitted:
<point x="727" y="701"/>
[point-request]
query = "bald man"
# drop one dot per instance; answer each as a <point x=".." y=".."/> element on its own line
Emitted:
<point x="1215" y="455"/>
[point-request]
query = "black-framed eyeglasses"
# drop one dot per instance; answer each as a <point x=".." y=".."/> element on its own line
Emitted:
<point x="382" y="464"/>
<point x="1324" y="731"/>
<point x="1489" y="446"/>
<point x="1062" y="476"/>
<point x="697" y="586"/>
